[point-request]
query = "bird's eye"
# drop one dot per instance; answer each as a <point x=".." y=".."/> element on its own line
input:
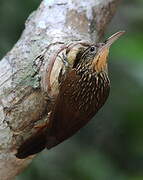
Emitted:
<point x="92" y="49"/>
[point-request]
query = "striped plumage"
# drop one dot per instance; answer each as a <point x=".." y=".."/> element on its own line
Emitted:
<point x="93" y="86"/>
<point x="82" y="93"/>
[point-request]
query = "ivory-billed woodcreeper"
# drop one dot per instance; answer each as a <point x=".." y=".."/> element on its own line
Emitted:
<point x="83" y="91"/>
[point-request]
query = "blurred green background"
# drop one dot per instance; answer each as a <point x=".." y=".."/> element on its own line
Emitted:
<point x="110" y="147"/>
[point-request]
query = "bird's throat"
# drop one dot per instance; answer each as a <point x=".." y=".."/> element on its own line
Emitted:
<point x="100" y="61"/>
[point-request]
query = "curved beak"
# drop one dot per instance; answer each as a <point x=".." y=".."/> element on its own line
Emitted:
<point x="113" y="38"/>
<point x="110" y="41"/>
<point x="99" y="62"/>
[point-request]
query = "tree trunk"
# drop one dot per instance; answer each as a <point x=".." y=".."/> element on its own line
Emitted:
<point x="24" y="100"/>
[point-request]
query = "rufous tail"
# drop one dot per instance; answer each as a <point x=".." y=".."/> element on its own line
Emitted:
<point x="33" y="145"/>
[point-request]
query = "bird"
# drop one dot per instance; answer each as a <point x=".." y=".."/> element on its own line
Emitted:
<point x="82" y="92"/>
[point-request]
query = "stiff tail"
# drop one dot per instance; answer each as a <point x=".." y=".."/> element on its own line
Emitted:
<point x="33" y="145"/>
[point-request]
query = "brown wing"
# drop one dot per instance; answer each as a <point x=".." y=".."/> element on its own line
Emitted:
<point x="66" y="118"/>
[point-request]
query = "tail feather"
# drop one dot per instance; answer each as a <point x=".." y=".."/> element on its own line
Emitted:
<point x="33" y="145"/>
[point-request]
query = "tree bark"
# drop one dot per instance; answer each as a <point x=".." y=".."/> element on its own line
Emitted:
<point x="23" y="78"/>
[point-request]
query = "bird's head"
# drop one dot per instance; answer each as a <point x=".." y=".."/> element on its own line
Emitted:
<point x="97" y="54"/>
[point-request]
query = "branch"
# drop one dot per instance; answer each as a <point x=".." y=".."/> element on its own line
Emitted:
<point x="23" y="77"/>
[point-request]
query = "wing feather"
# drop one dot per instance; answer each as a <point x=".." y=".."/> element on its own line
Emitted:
<point x="66" y="118"/>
